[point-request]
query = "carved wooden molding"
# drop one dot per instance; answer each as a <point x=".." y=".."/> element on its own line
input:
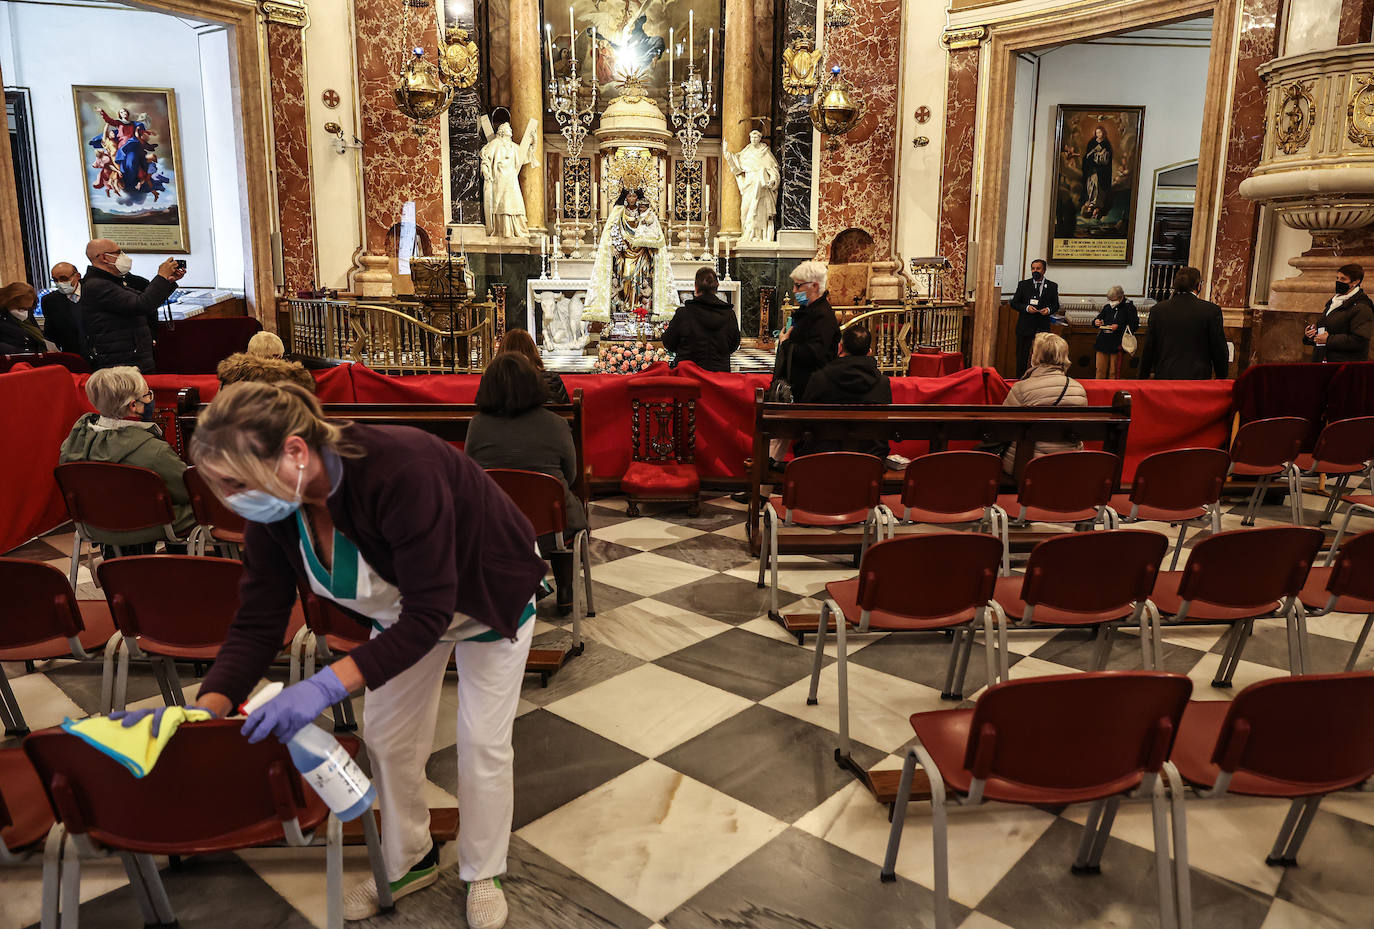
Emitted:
<point x="291" y="13"/>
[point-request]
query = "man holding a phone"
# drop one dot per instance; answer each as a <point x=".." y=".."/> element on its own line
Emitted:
<point x="121" y="308"/>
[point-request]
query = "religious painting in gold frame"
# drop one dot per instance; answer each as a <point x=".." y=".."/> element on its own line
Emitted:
<point x="1095" y="184"/>
<point x="131" y="167"/>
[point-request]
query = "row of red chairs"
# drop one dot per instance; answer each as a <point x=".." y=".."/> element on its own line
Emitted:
<point x="1102" y="737"/>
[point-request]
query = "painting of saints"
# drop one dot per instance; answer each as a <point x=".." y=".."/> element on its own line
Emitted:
<point x="1096" y="184"/>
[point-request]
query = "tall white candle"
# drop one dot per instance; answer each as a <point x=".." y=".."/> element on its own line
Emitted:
<point x="672" y="53"/>
<point x="691" y="25"/>
<point x="548" y="46"/>
<point x="710" y="54"/>
<point x="558" y="197"/>
<point x="706" y="203"/>
<point x="572" y="33"/>
<point x="594" y="77"/>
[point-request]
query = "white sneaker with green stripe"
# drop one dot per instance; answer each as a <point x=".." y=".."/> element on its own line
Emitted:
<point x="361" y="901"/>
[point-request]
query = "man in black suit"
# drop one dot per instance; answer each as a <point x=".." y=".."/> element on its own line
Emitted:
<point x="1183" y="337"/>
<point x="62" y="310"/>
<point x="1035" y="301"/>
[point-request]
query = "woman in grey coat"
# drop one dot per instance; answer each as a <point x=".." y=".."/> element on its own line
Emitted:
<point x="513" y="429"/>
<point x="1047" y="383"/>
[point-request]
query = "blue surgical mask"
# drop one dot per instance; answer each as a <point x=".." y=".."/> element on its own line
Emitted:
<point x="149" y="411"/>
<point x="801" y="298"/>
<point x="259" y="506"/>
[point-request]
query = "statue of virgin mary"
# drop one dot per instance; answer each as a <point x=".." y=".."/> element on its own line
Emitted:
<point x="632" y="276"/>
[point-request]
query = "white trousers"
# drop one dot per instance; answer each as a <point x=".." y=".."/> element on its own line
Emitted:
<point x="398" y="724"/>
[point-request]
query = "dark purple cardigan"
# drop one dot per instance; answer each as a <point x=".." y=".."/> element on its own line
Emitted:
<point x="428" y="520"/>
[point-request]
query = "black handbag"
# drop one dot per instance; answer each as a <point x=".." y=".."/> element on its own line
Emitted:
<point x="780" y="391"/>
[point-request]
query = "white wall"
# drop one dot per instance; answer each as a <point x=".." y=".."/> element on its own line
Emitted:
<point x="48" y="48"/>
<point x="922" y="69"/>
<point x="335" y="179"/>
<point x="1169" y="83"/>
<point x="1023" y="141"/>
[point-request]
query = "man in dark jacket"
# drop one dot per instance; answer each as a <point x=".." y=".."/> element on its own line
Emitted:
<point x="1036" y="300"/>
<point x="1183" y="337"/>
<point x="704" y="330"/>
<point x="120" y="309"/>
<point x="62" y="325"/>
<point x="1347" y="323"/>
<point x="853" y="377"/>
<point x="812" y="339"/>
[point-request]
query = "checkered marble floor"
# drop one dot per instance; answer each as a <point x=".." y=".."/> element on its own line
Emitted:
<point x="674" y="776"/>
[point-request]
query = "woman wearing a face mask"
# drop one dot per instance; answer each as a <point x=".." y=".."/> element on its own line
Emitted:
<point x="1347" y="323"/>
<point x="121" y="431"/>
<point x="413" y="539"/>
<point x="18" y="331"/>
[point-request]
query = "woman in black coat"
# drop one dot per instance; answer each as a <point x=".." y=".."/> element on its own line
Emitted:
<point x="18" y="331"/>
<point x="812" y="340"/>
<point x="1347" y="323"/>
<point x="1118" y="317"/>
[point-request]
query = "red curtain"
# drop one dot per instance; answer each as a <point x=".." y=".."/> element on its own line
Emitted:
<point x="1168" y="414"/>
<point x="37" y="410"/>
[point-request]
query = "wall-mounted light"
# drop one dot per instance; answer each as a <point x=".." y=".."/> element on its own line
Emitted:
<point x="340" y="143"/>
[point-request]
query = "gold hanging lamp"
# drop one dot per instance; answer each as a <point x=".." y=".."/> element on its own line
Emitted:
<point x="836" y="107"/>
<point x="421" y="92"/>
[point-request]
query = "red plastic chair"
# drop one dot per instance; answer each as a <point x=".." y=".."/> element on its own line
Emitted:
<point x="1265" y="449"/>
<point x="1345" y="584"/>
<point x="828" y="490"/>
<point x="1235" y="578"/>
<point x="216" y="524"/>
<point x="332" y="632"/>
<point x="211" y="791"/>
<point x="1344" y="448"/>
<point x="175" y="608"/>
<point x="1049" y="741"/>
<point x="1078" y="580"/>
<point x="106" y="497"/>
<point x="917" y="583"/>
<point x="663" y="435"/>
<point x="949" y="488"/>
<point x="1179" y="487"/>
<point x="44" y="620"/>
<point x="1066" y="487"/>
<point x="1297" y="737"/>
<point x="27" y="826"/>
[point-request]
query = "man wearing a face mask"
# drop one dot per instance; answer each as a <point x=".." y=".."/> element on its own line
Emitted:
<point x="1347" y="323"/>
<point x="1036" y="301"/>
<point x="62" y="310"/>
<point x="120" y="309"/>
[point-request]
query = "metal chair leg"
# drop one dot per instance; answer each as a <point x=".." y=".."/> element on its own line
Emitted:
<point x="334" y="874"/>
<point x="10" y="714"/>
<point x="374" y="857"/>
<point x="821" y="632"/>
<point x="587" y="576"/>
<point x="70" y="906"/>
<point x="1359" y="642"/>
<point x="1178" y="546"/>
<point x="52" y="876"/>
<point x="1168" y="902"/>
<point x="1183" y="888"/>
<point x="842" y="672"/>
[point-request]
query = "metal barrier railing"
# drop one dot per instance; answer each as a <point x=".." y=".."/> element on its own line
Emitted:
<point x="898" y="330"/>
<point x="391" y="340"/>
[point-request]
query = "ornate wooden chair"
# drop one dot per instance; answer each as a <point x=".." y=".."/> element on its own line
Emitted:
<point x="663" y="435"/>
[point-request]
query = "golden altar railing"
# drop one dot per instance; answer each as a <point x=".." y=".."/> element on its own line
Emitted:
<point x="400" y="338"/>
<point x="899" y="330"/>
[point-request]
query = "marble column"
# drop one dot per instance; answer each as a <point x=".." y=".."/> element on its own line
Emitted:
<point x="291" y="144"/>
<point x="1357" y="22"/>
<point x="527" y="100"/>
<point x="956" y="176"/>
<point x="464" y="135"/>
<point x="797" y="131"/>
<point x="1234" y="248"/>
<point x="11" y="235"/>
<point x="736" y="101"/>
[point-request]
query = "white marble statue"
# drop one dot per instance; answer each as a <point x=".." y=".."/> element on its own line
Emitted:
<point x="564" y="330"/>
<point x="503" y="206"/>
<point x="756" y="173"/>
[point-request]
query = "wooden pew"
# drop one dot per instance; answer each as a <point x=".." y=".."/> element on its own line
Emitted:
<point x="448" y="421"/>
<point x="938" y="424"/>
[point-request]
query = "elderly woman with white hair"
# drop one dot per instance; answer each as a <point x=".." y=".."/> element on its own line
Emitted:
<point x="1113" y="322"/>
<point x="811" y="338"/>
<point x="121" y="431"/>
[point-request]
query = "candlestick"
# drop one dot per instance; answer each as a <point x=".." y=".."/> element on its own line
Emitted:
<point x="548" y="46"/>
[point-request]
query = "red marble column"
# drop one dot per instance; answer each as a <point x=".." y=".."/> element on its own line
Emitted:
<point x="1357" y="22"/>
<point x="398" y="165"/>
<point x="956" y="175"/>
<point x="291" y="138"/>
<point x="1234" y="250"/>
<point x="857" y="181"/>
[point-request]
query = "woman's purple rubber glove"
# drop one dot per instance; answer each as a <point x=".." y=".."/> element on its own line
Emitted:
<point x="295" y="707"/>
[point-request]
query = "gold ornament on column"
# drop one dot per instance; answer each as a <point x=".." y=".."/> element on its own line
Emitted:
<point x="838" y="14"/>
<point x="837" y="107"/>
<point x="801" y="62"/>
<point x="458" y="59"/>
<point x="421" y="92"/>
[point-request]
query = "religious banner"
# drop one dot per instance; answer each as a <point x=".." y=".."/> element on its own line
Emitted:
<point x="131" y="159"/>
<point x="1096" y="178"/>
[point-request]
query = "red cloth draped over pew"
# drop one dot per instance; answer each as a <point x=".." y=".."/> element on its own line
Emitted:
<point x="39" y="407"/>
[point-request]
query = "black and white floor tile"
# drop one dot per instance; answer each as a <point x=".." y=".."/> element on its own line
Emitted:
<point x="673" y="776"/>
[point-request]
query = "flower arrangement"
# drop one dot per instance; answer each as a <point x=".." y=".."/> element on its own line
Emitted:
<point x="627" y="357"/>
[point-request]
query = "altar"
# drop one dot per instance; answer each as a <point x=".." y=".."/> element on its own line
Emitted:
<point x="560" y="301"/>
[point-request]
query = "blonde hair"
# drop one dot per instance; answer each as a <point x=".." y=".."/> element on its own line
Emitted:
<point x="266" y="345"/>
<point x="241" y="434"/>
<point x="113" y="390"/>
<point x="811" y="272"/>
<point x="1116" y="292"/>
<point x="1049" y="349"/>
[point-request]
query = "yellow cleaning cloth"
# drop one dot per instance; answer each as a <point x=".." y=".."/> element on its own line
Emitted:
<point x="136" y="748"/>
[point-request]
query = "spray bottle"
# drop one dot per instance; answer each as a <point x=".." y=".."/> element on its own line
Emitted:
<point x="324" y="764"/>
